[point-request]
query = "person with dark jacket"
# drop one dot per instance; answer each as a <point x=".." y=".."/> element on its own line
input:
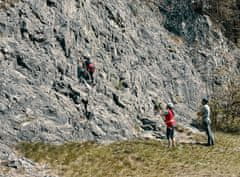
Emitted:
<point x="90" y="68"/>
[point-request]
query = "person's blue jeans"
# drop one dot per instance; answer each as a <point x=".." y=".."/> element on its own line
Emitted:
<point x="207" y="127"/>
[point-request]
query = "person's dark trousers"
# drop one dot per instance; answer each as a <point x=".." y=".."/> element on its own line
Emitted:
<point x="170" y="132"/>
<point x="209" y="133"/>
<point x="91" y="77"/>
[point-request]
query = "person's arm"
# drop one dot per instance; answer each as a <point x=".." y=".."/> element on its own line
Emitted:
<point x="201" y="112"/>
<point x="160" y="112"/>
<point x="164" y="113"/>
<point x="157" y="112"/>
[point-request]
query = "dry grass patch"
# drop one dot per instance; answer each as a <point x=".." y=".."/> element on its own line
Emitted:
<point x="139" y="158"/>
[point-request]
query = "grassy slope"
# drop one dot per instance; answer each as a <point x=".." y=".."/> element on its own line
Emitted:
<point x="140" y="158"/>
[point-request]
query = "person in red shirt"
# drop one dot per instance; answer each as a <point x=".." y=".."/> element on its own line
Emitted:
<point x="171" y="124"/>
<point x="90" y="68"/>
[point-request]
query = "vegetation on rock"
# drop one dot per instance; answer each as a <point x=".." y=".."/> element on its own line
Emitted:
<point x="225" y="105"/>
<point x="227" y="14"/>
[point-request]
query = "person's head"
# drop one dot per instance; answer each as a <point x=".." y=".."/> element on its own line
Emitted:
<point x="87" y="58"/>
<point x="205" y="101"/>
<point x="170" y="106"/>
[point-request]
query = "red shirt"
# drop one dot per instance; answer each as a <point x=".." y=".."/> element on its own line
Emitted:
<point x="91" y="68"/>
<point x="169" y="119"/>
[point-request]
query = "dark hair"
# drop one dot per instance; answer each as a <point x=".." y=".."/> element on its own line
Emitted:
<point x="205" y="100"/>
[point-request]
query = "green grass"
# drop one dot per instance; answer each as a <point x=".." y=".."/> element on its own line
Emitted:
<point x="140" y="158"/>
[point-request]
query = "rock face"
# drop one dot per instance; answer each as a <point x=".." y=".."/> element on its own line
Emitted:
<point x="143" y="51"/>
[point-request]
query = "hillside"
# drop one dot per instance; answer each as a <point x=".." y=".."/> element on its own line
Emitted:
<point x="144" y="51"/>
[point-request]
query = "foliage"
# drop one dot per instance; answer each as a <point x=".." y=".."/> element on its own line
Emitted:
<point x="225" y="105"/>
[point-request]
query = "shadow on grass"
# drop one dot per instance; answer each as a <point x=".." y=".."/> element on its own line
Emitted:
<point x="202" y="144"/>
<point x="194" y="143"/>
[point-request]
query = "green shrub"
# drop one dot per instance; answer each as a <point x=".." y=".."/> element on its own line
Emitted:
<point x="225" y="104"/>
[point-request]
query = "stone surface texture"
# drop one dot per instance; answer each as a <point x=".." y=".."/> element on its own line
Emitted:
<point x="143" y="51"/>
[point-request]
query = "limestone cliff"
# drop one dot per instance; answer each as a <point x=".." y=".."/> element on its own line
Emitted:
<point x="143" y="50"/>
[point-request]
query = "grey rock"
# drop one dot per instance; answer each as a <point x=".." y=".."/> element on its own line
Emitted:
<point x="143" y="51"/>
<point x="14" y="164"/>
<point x="3" y="108"/>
